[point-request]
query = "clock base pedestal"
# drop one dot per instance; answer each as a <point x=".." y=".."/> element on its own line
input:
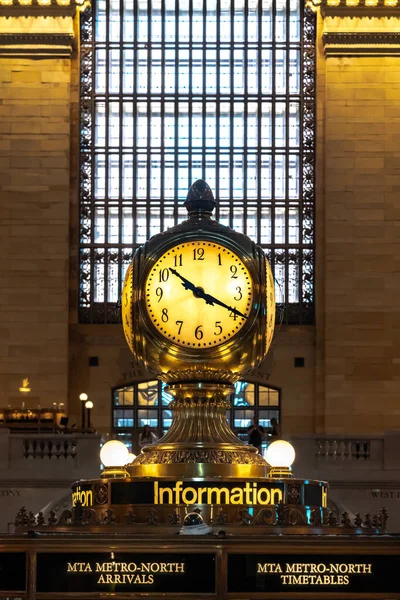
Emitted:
<point x="199" y="442"/>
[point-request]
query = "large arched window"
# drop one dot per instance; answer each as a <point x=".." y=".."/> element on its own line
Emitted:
<point x="146" y="403"/>
<point x="177" y="90"/>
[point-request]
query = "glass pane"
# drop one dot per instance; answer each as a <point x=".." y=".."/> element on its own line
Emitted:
<point x="242" y="418"/>
<point x="123" y="418"/>
<point x="244" y="394"/>
<point x="165" y="397"/>
<point x="148" y="417"/>
<point x="148" y="393"/>
<point x="166" y="419"/>
<point x="265" y="417"/>
<point x="268" y="396"/>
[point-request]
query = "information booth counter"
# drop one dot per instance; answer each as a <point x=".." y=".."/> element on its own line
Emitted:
<point x="82" y="561"/>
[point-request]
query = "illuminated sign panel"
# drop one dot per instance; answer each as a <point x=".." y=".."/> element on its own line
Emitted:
<point x="122" y="572"/>
<point x="191" y="492"/>
<point x="241" y="493"/>
<point x="13" y="571"/>
<point x="300" y="573"/>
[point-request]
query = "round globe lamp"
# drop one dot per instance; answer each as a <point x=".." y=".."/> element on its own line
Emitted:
<point x="131" y="458"/>
<point x="280" y="456"/>
<point x="114" y="456"/>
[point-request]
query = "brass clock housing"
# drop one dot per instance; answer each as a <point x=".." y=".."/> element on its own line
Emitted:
<point x="198" y="309"/>
<point x="198" y="300"/>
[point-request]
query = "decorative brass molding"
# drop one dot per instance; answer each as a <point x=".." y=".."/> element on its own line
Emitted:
<point x="43" y="44"/>
<point x="361" y="43"/>
<point x="36" y="8"/>
<point x="203" y="455"/>
<point x="356" y="8"/>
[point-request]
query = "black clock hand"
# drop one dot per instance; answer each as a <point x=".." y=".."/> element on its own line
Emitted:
<point x="200" y="293"/>
<point x="188" y="285"/>
<point x="211" y="300"/>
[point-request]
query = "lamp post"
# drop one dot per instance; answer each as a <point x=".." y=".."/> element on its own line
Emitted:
<point x="83" y="398"/>
<point x="89" y="406"/>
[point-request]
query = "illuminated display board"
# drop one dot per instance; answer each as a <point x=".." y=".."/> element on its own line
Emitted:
<point x="123" y="572"/>
<point x="239" y="492"/>
<point x="313" y="572"/>
<point x="13" y="571"/>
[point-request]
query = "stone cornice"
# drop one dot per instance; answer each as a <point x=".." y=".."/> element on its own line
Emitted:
<point x="37" y="44"/>
<point x="361" y="43"/>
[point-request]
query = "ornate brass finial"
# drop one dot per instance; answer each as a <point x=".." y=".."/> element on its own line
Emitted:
<point x="200" y="199"/>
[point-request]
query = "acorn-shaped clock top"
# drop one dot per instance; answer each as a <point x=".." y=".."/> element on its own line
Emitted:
<point x="198" y="299"/>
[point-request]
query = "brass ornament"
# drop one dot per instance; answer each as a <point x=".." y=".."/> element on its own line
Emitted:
<point x="199" y="442"/>
<point x="198" y="310"/>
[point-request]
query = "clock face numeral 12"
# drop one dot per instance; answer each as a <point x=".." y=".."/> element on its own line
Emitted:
<point x="199" y="294"/>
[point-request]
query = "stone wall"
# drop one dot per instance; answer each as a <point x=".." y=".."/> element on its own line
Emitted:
<point x="34" y="186"/>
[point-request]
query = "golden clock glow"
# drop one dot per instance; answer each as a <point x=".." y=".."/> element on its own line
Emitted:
<point x="199" y="294"/>
<point x="271" y="308"/>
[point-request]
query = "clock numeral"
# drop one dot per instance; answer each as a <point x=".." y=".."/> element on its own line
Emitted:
<point x="159" y="293"/>
<point x="218" y="326"/>
<point x="233" y="315"/>
<point x="198" y="254"/>
<point x="233" y="269"/>
<point x="126" y="299"/>
<point x="239" y="293"/>
<point x="163" y="275"/>
<point x="178" y="260"/>
<point x="219" y="259"/>
<point x="198" y="332"/>
<point x="164" y="315"/>
<point x="179" y="323"/>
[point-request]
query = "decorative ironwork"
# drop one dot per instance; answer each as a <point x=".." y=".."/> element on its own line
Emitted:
<point x="148" y="97"/>
<point x="273" y="516"/>
<point x="130" y="518"/>
<point x="109" y="517"/>
<point x="152" y="517"/>
<point x="294" y="494"/>
<point x="101" y="494"/>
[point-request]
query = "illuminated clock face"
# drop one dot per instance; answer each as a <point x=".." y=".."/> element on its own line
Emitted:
<point x="199" y="294"/>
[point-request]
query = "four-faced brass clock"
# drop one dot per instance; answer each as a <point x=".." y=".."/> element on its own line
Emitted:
<point x="198" y="294"/>
<point x="197" y="300"/>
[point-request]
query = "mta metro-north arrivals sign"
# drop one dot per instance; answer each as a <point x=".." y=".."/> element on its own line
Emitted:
<point x="122" y="572"/>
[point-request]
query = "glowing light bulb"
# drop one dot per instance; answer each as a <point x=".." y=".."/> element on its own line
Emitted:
<point x="280" y="456"/>
<point x="114" y="454"/>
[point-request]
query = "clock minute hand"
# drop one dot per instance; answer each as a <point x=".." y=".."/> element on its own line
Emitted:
<point x="211" y="300"/>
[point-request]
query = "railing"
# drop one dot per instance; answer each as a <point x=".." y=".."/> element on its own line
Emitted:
<point x="45" y="448"/>
<point x="343" y="449"/>
<point x="348" y="457"/>
<point x="48" y="457"/>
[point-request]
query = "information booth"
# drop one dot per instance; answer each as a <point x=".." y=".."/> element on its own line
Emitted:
<point x="199" y="514"/>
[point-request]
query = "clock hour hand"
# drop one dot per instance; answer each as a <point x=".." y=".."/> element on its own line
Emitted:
<point x="188" y="285"/>
<point x="200" y="293"/>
